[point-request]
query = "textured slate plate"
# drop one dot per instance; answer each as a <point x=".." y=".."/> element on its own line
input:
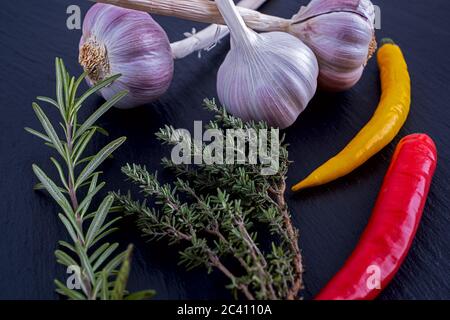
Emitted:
<point x="330" y="218"/>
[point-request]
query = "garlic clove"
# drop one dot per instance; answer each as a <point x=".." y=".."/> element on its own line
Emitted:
<point x="117" y="40"/>
<point x="341" y="34"/>
<point x="335" y="81"/>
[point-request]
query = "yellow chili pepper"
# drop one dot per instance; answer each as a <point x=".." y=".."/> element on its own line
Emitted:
<point x="385" y="124"/>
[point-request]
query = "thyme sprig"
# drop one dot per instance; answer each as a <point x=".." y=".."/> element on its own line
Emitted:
<point x="98" y="272"/>
<point x="221" y="213"/>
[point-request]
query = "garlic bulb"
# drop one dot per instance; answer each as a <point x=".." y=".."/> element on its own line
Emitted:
<point x="341" y="34"/>
<point x="117" y="40"/>
<point x="269" y="76"/>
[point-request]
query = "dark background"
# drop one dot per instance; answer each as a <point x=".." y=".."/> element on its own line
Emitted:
<point x="330" y="218"/>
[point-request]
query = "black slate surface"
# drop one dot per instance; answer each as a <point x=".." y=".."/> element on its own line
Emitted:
<point x="330" y="218"/>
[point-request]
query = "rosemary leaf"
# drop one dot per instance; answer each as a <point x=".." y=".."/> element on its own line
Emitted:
<point x="85" y="255"/>
<point x="100" y="111"/>
<point x="97" y="160"/>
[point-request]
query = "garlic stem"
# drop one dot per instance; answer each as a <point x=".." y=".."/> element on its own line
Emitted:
<point x="209" y="36"/>
<point x="251" y="4"/>
<point x="239" y="31"/>
<point x="205" y="11"/>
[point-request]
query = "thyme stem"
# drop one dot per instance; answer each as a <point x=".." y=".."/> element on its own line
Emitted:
<point x="293" y="242"/>
<point x="92" y="269"/>
<point x="215" y="210"/>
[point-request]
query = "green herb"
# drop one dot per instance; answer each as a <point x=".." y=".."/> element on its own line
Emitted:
<point x="216" y="210"/>
<point x="98" y="273"/>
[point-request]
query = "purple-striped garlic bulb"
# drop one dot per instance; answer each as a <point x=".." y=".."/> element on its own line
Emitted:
<point x="121" y="41"/>
<point x="341" y="34"/>
<point x="268" y="76"/>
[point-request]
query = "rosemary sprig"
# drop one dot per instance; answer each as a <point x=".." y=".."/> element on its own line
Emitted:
<point x="216" y="211"/>
<point x="98" y="273"/>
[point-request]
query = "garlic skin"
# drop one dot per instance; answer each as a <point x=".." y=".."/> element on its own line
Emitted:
<point x="341" y="33"/>
<point x="127" y="42"/>
<point x="269" y="76"/>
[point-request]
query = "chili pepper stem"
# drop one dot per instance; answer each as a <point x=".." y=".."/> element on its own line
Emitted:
<point x="388" y="119"/>
<point x="390" y="232"/>
<point x="386" y="41"/>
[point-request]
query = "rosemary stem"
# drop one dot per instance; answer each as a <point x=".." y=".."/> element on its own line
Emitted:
<point x="74" y="199"/>
<point x="94" y="282"/>
<point x="72" y="191"/>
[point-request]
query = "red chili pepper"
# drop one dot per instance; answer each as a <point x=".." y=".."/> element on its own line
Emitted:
<point x="392" y="226"/>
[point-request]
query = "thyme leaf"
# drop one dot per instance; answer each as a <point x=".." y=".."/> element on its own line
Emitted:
<point x="221" y="215"/>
